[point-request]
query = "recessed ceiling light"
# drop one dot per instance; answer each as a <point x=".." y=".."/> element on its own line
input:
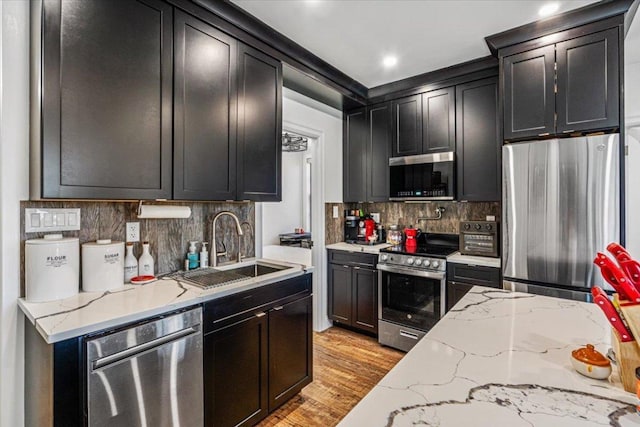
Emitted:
<point x="389" y="61"/>
<point x="549" y="9"/>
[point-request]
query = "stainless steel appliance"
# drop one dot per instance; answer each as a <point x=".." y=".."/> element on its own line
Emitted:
<point x="422" y="177"/>
<point x="479" y="238"/>
<point x="412" y="289"/>
<point x="561" y="205"/>
<point x="147" y="375"/>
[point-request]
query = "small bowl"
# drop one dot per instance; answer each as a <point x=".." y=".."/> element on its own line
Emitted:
<point x="591" y="363"/>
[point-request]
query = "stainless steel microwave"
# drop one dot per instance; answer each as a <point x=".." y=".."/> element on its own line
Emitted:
<point x="422" y="177"/>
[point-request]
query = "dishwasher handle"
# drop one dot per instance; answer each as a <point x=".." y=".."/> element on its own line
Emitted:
<point x="133" y="351"/>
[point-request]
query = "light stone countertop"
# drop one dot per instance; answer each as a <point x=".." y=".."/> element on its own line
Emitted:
<point x="355" y="247"/>
<point x="89" y="312"/>
<point x="482" y="261"/>
<point x="501" y="359"/>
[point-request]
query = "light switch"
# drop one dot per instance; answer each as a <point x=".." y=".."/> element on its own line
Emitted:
<point x="54" y="219"/>
<point x="72" y="219"/>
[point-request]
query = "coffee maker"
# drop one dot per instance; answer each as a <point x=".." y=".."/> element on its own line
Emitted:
<point x="351" y="227"/>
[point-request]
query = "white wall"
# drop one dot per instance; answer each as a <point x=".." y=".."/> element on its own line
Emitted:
<point x="14" y="186"/>
<point x="305" y="111"/>
<point x="285" y="216"/>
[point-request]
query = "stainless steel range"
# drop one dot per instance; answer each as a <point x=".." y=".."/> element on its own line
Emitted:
<point x="412" y="289"/>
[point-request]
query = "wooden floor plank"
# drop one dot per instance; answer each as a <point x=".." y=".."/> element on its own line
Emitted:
<point x="346" y="365"/>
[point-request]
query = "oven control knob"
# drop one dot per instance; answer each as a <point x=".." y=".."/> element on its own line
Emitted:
<point x="489" y="226"/>
<point x="427" y="263"/>
<point x="418" y="262"/>
<point x="435" y="264"/>
<point x="467" y="226"/>
<point x="478" y="226"/>
<point x="384" y="257"/>
<point x="410" y="261"/>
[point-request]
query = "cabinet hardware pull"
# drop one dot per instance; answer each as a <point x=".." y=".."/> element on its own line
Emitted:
<point x="261" y="314"/>
<point x="568" y="131"/>
<point x="345" y="266"/>
<point x="280" y="307"/>
<point x="356" y="268"/>
<point x="408" y="335"/>
<point x="544" y="134"/>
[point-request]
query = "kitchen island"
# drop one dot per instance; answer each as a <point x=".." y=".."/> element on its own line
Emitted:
<point x="501" y="359"/>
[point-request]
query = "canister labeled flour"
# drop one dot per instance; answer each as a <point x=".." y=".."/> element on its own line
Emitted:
<point x="52" y="267"/>
<point x="102" y="265"/>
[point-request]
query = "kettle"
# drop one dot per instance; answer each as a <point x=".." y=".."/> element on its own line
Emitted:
<point x="411" y="237"/>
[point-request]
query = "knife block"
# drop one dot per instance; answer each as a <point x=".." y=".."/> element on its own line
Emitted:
<point x="628" y="358"/>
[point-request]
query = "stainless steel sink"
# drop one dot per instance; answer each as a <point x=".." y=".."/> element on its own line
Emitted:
<point x="210" y="278"/>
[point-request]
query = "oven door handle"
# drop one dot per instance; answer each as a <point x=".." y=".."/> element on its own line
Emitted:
<point x="411" y="272"/>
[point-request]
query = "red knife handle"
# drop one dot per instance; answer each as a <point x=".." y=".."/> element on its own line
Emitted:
<point x="632" y="269"/>
<point x="618" y="251"/>
<point x="613" y="317"/>
<point x="613" y="274"/>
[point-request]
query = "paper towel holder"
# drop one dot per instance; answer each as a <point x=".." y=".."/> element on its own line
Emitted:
<point x="162" y="211"/>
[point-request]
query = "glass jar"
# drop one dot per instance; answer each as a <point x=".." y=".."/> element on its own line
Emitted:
<point x="394" y="235"/>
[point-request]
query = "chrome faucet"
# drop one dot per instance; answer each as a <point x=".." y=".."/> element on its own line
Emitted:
<point x="216" y="254"/>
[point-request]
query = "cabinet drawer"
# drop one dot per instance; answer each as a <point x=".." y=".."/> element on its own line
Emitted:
<point x="223" y="311"/>
<point x="351" y="258"/>
<point x="473" y="275"/>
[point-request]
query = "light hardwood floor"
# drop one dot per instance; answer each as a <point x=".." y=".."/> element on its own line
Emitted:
<point x="346" y="365"/>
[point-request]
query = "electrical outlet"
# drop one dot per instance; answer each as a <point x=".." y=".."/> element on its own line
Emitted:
<point x="133" y="232"/>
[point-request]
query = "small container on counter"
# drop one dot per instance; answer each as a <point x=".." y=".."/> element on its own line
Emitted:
<point x="146" y="266"/>
<point x="394" y="235"/>
<point x="204" y="256"/>
<point x="192" y="255"/>
<point x="102" y="265"/>
<point x="130" y="264"/>
<point x="52" y="267"/>
<point x="591" y="363"/>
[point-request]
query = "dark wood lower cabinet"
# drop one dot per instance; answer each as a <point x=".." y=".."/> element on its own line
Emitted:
<point x="462" y="277"/>
<point x="290" y="347"/>
<point x="353" y="290"/>
<point x="235" y="373"/>
<point x="258" y="351"/>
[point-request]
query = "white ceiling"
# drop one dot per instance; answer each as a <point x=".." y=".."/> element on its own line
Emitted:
<point x="426" y="35"/>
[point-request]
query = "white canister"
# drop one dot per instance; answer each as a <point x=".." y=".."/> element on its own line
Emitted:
<point x="52" y="267"/>
<point x="102" y="265"/>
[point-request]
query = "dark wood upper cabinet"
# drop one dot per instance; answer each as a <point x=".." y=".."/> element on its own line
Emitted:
<point x="588" y="88"/>
<point x="529" y="98"/>
<point x="407" y="126"/>
<point x="379" y="151"/>
<point x="478" y="141"/>
<point x="355" y="156"/>
<point x="570" y="86"/>
<point x="204" y="150"/>
<point x="106" y="99"/>
<point x="438" y="121"/>
<point x="259" y="155"/>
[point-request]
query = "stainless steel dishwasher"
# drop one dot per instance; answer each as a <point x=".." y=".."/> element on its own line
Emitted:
<point x="147" y="375"/>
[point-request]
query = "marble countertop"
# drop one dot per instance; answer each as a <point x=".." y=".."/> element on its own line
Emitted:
<point x="501" y="359"/>
<point x="355" y="247"/>
<point x="474" y="260"/>
<point x="89" y="312"/>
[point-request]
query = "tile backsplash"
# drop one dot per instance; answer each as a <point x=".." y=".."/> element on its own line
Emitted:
<point x="406" y="214"/>
<point x="168" y="238"/>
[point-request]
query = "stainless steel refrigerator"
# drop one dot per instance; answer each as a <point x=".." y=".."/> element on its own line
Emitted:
<point x="560" y="205"/>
